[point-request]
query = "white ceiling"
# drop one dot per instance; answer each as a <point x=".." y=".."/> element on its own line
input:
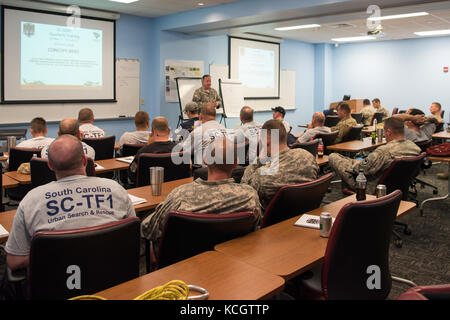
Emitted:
<point x="146" y="8"/>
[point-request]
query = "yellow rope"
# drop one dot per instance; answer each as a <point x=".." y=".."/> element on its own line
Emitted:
<point x="172" y="290"/>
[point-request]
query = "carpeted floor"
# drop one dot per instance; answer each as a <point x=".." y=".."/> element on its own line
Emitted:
<point x="425" y="255"/>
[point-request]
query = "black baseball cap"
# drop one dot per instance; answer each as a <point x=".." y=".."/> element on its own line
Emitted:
<point x="280" y="110"/>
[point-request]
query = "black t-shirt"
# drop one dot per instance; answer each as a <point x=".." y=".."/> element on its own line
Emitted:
<point x="189" y="124"/>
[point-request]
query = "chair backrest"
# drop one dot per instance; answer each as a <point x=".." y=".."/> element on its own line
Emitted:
<point x="354" y="133"/>
<point x="400" y="172"/>
<point x="130" y="149"/>
<point x="2" y="206"/>
<point x="310" y="146"/>
<point x="331" y="121"/>
<point x="187" y="234"/>
<point x="172" y="171"/>
<point x="357" y="117"/>
<point x="328" y="139"/>
<point x="394" y="111"/>
<point x="439" y="127"/>
<point x="41" y="173"/>
<point x="17" y="156"/>
<point x="424" y="145"/>
<point x="292" y="200"/>
<point x="442" y="113"/>
<point x="358" y="246"/>
<point x="378" y="116"/>
<point x="101" y="256"/>
<point x="104" y="146"/>
<point x="435" y="292"/>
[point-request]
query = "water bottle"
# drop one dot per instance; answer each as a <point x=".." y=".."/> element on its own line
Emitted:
<point x="361" y="183"/>
<point x="320" y="149"/>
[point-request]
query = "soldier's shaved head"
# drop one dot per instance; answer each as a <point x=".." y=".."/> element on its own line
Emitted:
<point x="85" y="115"/>
<point x="208" y="111"/>
<point x="160" y="125"/>
<point x="221" y="156"/>
<point x="69" y="126"/>
<point x="66" y="156"/>
<point x="246" y="114"/>
<point x="318" y="118"/>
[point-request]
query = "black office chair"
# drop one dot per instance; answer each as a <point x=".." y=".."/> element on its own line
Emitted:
<point x="128" y="149"/>
<point x="187" y="234"/>
<point x="104" y="146"/>
<point x="328" y="139"/>
<point x="426" y="164"/>
<point x="292" y="200"/>
<point x="438" y="292"/>
<point x="351" y="252"/>
<point x="310" y="146"/>
<point x="103" y="256"/>
<point x="357" y="117"/>
<point x="354" y="133"/>
<point x="331" y="121"/>
<point x="17" y="156"/>
<point x="378" y="116"/>
<point x="172" y="171"/>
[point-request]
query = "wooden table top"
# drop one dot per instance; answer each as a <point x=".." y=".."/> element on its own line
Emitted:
<point x="439" y="159"/>
<point x="356" y="145"/>
<point x="21" y="178"/>
<point x="322" y="161"/>
<point x="224" y="277"/>
<point x="6" y="220"/>
<point x="4" y="157"/>
<point x="442" y="135"/>
<point x="111" y="165"/>
<point x="287" y="250"/>
<point x="8" y="182"/>
<point x="368" y="129"/>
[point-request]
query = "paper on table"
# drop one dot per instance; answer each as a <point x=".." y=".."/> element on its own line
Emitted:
<point x="126" y="159"/>
<point x="98" y="167"/>
<point x="136" y="200"/>
<point x="3" y="231"/>
<point x="309" y="221"/>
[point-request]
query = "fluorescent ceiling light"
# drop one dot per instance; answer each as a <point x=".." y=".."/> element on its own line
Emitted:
<point x="124" y="1"/>
<point x="305" y="26"/>
<point x="399" y="16"/>
<point x="433" y="33"/>
<point x="349" y="39"/>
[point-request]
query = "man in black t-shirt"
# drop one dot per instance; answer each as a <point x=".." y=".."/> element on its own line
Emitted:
<point x="160" y="143"/>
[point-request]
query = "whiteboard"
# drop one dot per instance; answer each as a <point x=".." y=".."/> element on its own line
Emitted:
<point x="232" y="96"/>
<point x="127" y="96"/>
<point x="287" y="90"/>
<point x="186" y="88"/>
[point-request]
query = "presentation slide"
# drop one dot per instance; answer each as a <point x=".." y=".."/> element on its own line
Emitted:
<point x="47" y="59"/>
<point x="50" y="52"/>
<point x="256" y="65"/>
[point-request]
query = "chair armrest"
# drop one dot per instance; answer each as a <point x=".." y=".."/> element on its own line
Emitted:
<point x="17" y="275"/>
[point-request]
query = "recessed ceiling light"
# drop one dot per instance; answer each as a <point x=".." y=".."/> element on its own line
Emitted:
<point x="399" y="16"/>
<point x="305" y="26"/>
<point x="350" y="39"/>
<point x="200" y="4"/>
<point x="433" y="33"/>
<point x="124" y="1"/>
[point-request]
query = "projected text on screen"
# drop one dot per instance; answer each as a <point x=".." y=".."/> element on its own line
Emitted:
<point x="256" y="68"/>
<point x="54" y="55"/>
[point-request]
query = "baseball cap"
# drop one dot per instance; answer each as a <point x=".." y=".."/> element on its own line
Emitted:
<point x="191" y="106"/>
<point x="280" y="110"/>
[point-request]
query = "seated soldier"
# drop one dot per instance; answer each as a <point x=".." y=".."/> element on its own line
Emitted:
<point x="191" y="111"/>
<point x="379" y="108"/>
<point x="418" y="127"/>
<point x="315" y="127"/>
<point x="378" y="160"/>
<point x="435" y="110"/>
<point x="285" y="166"/>
<point x="158" y="142"/>
<point x="87" y="128"/>
<point x="219" y="194"/>
<point x="140" y="136"/>
<point x="70" y="126"/>
<point x="345" y="123"/>
<point x="38" y="130"/>
<point x="367" y="112"/>
<point x="46" y="207"/>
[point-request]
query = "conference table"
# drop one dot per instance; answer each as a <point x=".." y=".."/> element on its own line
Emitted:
<point x="225" y="278"/>
<point x="356" y="145"/>
<point x="368" y="129"/>
<point x="287" y="250"/>
<point x="8" y="182"/>
<point x="442" y="135"/>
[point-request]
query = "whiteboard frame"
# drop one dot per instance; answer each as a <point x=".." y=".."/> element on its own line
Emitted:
<point x="180" y="103"/>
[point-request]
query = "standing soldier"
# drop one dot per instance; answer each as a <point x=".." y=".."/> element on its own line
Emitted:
<point x="206" y="94"/>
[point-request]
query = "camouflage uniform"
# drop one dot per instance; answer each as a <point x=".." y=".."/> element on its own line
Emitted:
<point x="343" y="127"/>
<point x="375" y="163"/>
<point x="223" y="196"/>
<point x="385" y="112"/>
<point x="367" y="114"/>
<point x="202" y="96"/>
<point x="438" y="117"/>
<point x="294" y="166"/>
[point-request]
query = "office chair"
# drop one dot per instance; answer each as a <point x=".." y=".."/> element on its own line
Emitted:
<point x="328" y="139"/>
<point x="354" y="133"/>
<point x="2" y="206"/>
<point x="104" y="146"/>
<point x="378" y="116"/>
<point x="442" y="113"/>
<point x="352" y="250"/>
<point x="172" y="171"/>
<point x="187" y="234"/>
<point x="310" y="146"/>
<point x="436" y="292"/>
<point x="293" y="200"/>
<point x="331" y="121"/>
<point x="394" y="111"/>
<point x="426" y="164"/>
<point x="104" y="256"/>
<point x="357" y="117"/>
<point x="128" y="149"/>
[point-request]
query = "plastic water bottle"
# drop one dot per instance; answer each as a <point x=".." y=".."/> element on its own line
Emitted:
<point x="320" y="149"/>
<point x="361" y="184"/>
